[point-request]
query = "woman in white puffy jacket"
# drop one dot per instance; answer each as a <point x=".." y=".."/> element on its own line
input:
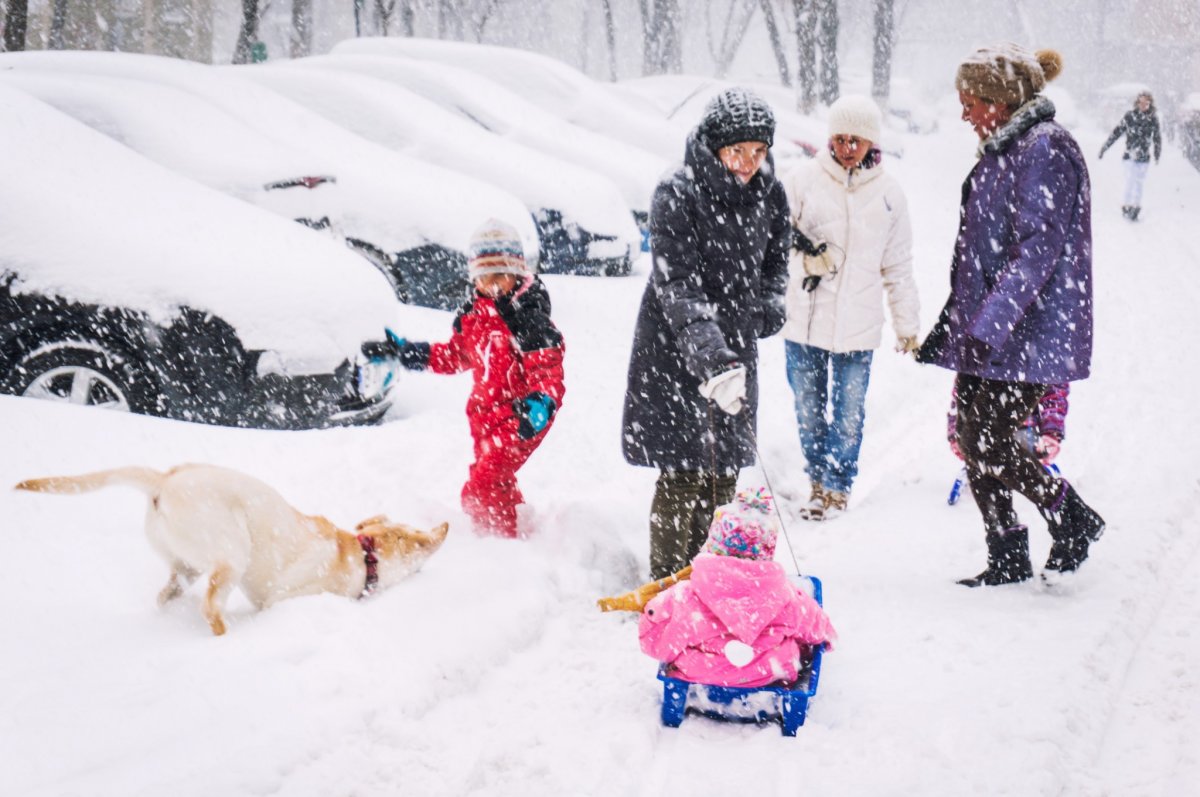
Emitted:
<point x="845" y="202"/>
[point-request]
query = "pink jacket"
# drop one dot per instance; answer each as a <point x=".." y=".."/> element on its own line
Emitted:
<point x="733" y="600"/>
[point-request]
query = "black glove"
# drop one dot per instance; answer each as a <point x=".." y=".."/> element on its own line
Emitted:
<point x="802" y="243"/>
<point x="534" y="413"/>
<point x="774" y="316"/>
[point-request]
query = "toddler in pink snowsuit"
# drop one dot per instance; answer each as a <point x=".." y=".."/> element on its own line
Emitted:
<point x="738" y="621"/>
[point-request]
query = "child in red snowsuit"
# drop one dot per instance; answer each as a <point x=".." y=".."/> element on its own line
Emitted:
<point x="504" y="335"/>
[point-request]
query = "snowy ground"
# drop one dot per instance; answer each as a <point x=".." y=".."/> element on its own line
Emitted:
<point x="491" y="672"/>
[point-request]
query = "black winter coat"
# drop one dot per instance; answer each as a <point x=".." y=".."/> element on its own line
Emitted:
<point x="719" y="250"/>
<point x="1141" y="130"/>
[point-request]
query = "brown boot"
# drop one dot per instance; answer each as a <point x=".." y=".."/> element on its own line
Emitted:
<point x="835" y="503"/>
<point x="815" y="508"/>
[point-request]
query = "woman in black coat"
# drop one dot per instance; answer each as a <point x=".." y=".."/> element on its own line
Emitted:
<point x="719" y="238"/>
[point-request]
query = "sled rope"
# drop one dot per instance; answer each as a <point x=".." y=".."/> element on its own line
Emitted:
<point x="762" y="466"/>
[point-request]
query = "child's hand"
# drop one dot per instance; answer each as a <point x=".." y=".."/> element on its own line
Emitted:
<point x="413" y="356"/>
<point x="534" y="413"/>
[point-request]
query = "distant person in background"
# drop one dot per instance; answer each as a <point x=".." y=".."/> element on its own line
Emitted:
<point x="1019" y="316"/>
<point x="1141" y="130"/>
<point x="854" y="249"/>
<point x="719" y="238"/>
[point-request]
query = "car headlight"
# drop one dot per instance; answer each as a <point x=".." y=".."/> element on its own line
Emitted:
<point x="374" y="377"/>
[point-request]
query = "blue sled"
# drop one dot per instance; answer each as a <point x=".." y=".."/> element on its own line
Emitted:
<point x="787" y="704"/>
<point x="956" y="488"/>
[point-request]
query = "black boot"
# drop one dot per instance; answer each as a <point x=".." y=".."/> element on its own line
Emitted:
<point x="1008" y="559"/>
<point x="1125" y="210"/>
<point x="1073" y="527"/>
<point x="1133" y="213"/>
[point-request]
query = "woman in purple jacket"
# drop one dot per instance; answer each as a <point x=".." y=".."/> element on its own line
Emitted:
<point x="1019" y="316"/>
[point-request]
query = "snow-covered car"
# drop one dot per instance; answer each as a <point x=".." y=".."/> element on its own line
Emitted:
<point x="419" y="215"/>
<point x="584" y="225"/>
<point x="125" y="285"/>
<point x="494" y="107"/>
<point x="548" y="83"/>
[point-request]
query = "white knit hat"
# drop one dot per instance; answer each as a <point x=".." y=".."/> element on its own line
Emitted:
<point x="855" y="115"/>
<point x="496" y="249"/>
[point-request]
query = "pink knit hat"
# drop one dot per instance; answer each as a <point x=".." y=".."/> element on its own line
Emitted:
<point x="745" y="528"/>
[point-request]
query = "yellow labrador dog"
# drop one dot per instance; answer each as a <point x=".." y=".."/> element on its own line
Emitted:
<point x="241" y="532"/>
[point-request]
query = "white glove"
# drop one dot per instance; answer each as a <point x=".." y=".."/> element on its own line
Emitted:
<point x="727" y="389"/>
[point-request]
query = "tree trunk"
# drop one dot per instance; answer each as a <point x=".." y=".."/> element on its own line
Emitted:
<point x="806" y="48"/>
<point x="827" y="42"/>
<point x="408" y="17"/>
<point x="661" y="51"/>
<point x="881" y="72"/>
<point x="302" y="28"/>
<point x="776" y="42"/>
<point x="610" y="39"/>
<point x="248" y="33"/>
<point x="733" y="35"/>
<point x="383" y="15"/>
<point x="450" y="20"/>
<point x="58" y="23"/>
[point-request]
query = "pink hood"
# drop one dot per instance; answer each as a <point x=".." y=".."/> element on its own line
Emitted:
<point x="733" y="600"/>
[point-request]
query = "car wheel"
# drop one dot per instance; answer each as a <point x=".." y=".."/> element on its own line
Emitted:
<point x="84" y="373"/>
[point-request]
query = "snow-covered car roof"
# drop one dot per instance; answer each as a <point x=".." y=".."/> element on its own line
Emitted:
<point x="190" y="135"/>
<point x="681" y="100"/>
<point x="87" y="219"/>
<point x="389" y="199"/>
<point x="552" y="85"/>
<point x="343" y="89"/>
<point x="489" y="104"/>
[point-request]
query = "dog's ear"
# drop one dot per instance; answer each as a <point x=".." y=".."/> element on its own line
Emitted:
<point x="374" y="520"/>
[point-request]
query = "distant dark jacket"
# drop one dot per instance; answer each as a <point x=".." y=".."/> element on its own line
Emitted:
<point x="719" y="252"/>
<point x="1020" y="306"/>
<point x="1140" y="131"/>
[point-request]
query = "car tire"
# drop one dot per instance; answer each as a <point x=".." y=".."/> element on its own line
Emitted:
<point x="85" y="373"/>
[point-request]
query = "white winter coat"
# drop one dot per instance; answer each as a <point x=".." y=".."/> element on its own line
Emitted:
<point x="863" y="217"/>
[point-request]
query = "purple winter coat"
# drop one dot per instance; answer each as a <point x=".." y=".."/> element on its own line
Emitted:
<point x="1020" y="306"/>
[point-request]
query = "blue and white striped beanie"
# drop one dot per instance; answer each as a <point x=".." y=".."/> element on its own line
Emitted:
<point x="496" y="249"/>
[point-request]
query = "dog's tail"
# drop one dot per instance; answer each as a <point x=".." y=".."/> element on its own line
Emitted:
<point x="145" y="479"/>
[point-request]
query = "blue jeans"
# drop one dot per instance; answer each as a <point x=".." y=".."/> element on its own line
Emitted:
<point x="831" y="394"/>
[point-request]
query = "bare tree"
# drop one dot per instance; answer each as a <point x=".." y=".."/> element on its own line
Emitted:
<point x="302" y="28"/>
<point x="383" y="15"/>
<point x="58" y="24"/>
<point x="610" y="39"/>
<point x="806" y="47"/>
<point x="776" y="41"/>
<point x="662" y="52"/>
<point x="881" y="72"/>
<point x="827" y="39"/>
<point x="408" y="17"/>
<point x="16" y="23"/>
<point x="248" y="34"/>
<point x="733" y="31"/>
<point x="816" y="33"/>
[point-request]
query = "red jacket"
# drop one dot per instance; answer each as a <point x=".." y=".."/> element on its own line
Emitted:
<point x="512" y="348"/>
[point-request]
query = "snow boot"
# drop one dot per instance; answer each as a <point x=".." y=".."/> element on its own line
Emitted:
<point x="835" y="503"/>
<point x="815" y="508"/>
<point x="1074" y="526"/>
<point x="1133" y="213"/>
<point x="1125" y="210"/>
<point x="1008" y="559"/>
